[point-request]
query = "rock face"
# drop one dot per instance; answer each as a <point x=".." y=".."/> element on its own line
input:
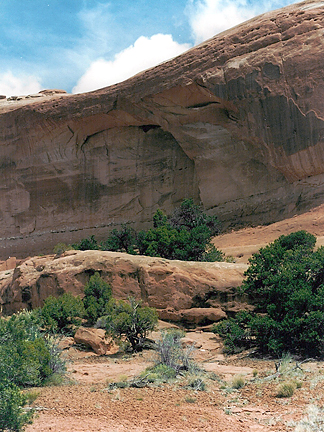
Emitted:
<point x="195" y="293"/>
<point x="237" y="123"/>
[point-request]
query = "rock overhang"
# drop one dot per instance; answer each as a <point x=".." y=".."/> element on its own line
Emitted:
<point x="236" y="123"/>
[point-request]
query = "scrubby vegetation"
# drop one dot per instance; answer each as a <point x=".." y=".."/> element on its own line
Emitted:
<point x="97" y="294"/>
<point x="171" y="353"/>
<point x="13" y="416"/>
<point x="28" y="357"/>
<point x="285" y="282"/>
<point x="185" y="235"/>
<point x="173" y="364"/>
<point x="62" y="314"/>
<point x="129" y="322"/>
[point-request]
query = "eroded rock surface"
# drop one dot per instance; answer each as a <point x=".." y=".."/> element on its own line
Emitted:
<point x="177" y="289"/>
<point x="236" y="123"/>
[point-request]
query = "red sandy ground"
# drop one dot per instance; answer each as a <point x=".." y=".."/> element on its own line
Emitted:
<point x="87" y="405"/>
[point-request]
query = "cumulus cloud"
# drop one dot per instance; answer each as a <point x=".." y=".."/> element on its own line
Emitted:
<point x="210" y="17"/>
<point x="143" y="54"/>
<point x="11" y="84"/>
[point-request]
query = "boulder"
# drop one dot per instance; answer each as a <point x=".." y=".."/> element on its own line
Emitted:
<point x="95" y="339"/>
<point x="52" y="91"/>
<point x="202" y="316"/>
<point x="236" y="123"/>
<point x="9" y="264"/>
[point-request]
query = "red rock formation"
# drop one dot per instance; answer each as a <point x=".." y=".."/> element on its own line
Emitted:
<point x="173" y="287"/>
<point x="236" y="122"/>
<point x="95" y="339"/>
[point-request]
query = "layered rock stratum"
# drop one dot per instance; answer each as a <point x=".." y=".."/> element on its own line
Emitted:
<point x="237" y="123"/>
<point x="194" y="293"/>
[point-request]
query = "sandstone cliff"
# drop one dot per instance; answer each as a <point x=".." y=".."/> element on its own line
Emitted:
<point x="196" y="293"/>
<point x="236" y="122"/>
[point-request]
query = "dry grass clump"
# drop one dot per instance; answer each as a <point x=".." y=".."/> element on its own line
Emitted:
<point x="286" y="389"/>
<point x="238" y="382"/>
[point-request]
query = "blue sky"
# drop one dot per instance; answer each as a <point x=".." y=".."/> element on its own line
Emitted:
<point x="83" y="45"/>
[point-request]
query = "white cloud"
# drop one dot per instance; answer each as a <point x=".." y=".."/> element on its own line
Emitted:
<point x="145" y="53"/>
<point x="210" y="17"/>
<point x="11" y="85"/>
<point x="99" y="30"/>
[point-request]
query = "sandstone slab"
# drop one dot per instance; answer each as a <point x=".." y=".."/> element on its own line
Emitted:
<point x="167" y="285"/>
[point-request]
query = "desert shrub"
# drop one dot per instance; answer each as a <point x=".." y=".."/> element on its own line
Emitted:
<point x="286" y="389"/>
<point x="60" y="248"/>
<point x="28" y="322"/>
<point x="62" y="314"/>
<point x="27" y="357"/>
<point x="97" y="294"/>
<point x="197" y="384"/>
<point x="24" y="359"/>
<point x="238" y="382"/>
<point x="164" y="372"/>
<point x="89" y="243"/>
<point x="235" y="332"/>
<point x="186" y="235"/>
<point x="130" y="321"/>
<point x="31" y="396"/>
<point x="13" y="416"/>
<point x="171" y="353"/>
<point x="122" y="240"/>
<point x="285" y="282"/>
<point x="159" y="373"/>
<point x="57" y="364"/>
<point x="190" y="215"/>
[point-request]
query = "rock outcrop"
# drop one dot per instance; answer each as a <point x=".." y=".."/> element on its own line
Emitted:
<point x="237" y="123"/>
<point x="191" y="292"/>
<point x="95" y="339"/>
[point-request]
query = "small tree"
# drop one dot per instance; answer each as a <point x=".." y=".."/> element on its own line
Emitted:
<point x="132" y="321"/>
<point x="171" y="352"/>
<point x="122" y="240"/>
<point x="61" y="314"/>
<point x="89" y="243"/>
<point x="186" y="235"/>
<point x="190" y="215"/>
<point x="97" y="294"/>
<point x="26" y="356"/>
<point x="285" y="282"/>
<point x="13" y="417"/>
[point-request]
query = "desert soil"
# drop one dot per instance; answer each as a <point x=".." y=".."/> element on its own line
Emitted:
<point x="86" y="404"/>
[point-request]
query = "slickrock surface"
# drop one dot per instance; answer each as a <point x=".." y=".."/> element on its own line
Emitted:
<point x="236" y="122"/>
<point x="173" y="287"/>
